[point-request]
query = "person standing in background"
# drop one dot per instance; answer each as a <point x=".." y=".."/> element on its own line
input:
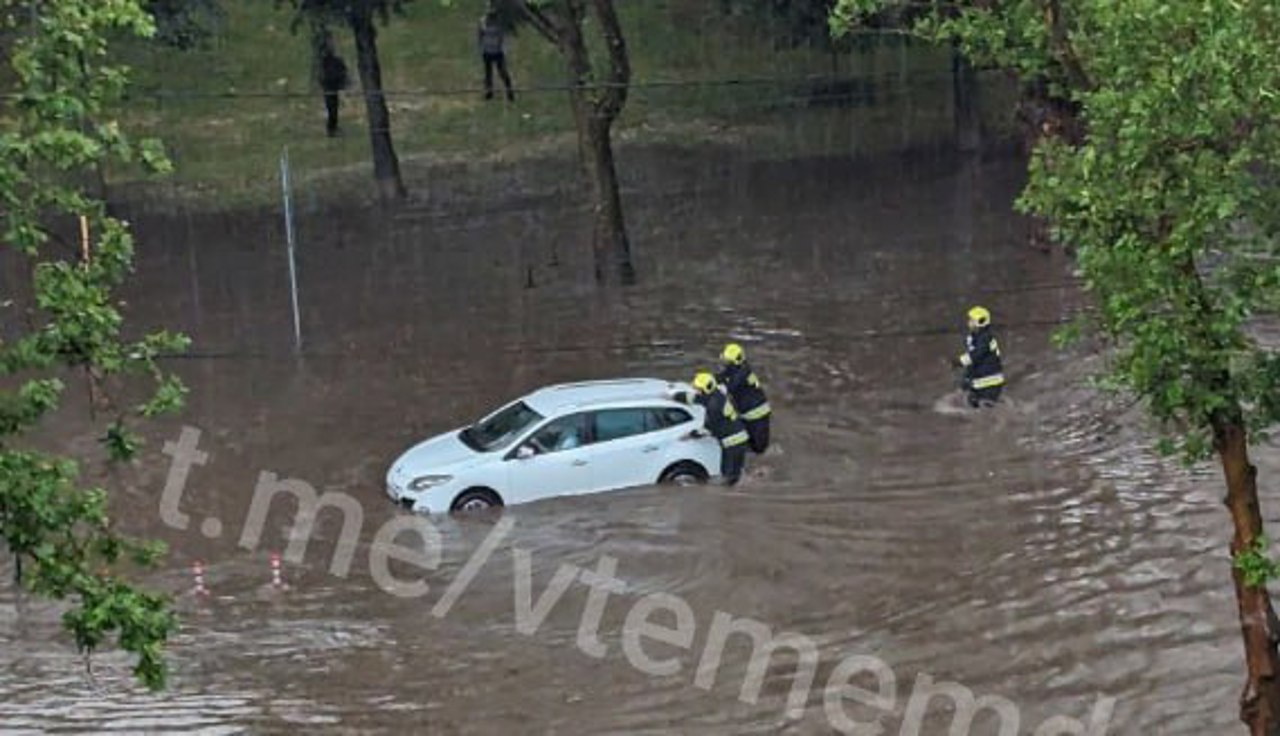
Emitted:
<point x="489" y="35"/>
<point x="333" y="80"/>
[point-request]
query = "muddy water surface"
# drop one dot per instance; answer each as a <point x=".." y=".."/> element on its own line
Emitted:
<point x="1039" y="552"/>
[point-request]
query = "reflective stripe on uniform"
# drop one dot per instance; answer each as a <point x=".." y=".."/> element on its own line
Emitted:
<point x="760" y="412"/>
<point x="989" y="381"/>
<point x="965" y="360"/>
<point x="735" y="439"/>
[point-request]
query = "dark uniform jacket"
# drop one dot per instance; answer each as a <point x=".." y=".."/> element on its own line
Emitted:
<point x="333" y="73"/>
<point x="722" y="419"/>
<point x="746" y="391"/>
<point x="981" y="360"/>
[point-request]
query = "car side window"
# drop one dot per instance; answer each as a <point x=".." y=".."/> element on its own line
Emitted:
<point x="668" y="417"/>
<point x="565" y="433"/>
<point x="613" y="424"/>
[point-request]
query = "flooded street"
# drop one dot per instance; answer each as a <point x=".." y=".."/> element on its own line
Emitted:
<point x="1040" y="552"/>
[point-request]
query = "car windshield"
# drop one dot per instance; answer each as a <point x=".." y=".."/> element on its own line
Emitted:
<point x="498" y="430"/>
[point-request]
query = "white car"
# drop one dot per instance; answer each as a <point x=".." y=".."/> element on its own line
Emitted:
<point x="561" y="440"/>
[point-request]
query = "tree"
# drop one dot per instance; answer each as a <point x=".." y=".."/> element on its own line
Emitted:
<point x="361" y="16"/>
<point x="597" y="100"/>
<point x="799" y="23"/>
<point x="55" y="130"/>
<point x="185" y="24"/>
<point x="1158" y="166"/>
<point x="793" y="23"/>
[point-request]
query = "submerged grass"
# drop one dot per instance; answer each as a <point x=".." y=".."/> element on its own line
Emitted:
<point x="227" y="111"/>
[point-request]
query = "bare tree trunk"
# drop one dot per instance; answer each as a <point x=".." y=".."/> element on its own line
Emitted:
<point x="1260" y="699"/>
<point x="386" y="167"/>
<point x="595" y="108"/>
<point x="613" y="248"/>
<point x="609" y="237"/>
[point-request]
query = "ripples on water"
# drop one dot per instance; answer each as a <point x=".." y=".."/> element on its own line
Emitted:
<point x="1039" y="551"/>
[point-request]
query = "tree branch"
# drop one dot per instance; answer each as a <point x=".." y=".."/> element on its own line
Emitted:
<point x="1061" y="49"/>
<point x="574" y="46"/>
<point x="613" y="97"/>
<point x="540" y="22"/>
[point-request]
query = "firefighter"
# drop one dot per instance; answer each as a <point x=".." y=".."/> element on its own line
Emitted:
<point x="983" y="376"/>
<point x="747" y="394"/>
<point x="723" y="423"/>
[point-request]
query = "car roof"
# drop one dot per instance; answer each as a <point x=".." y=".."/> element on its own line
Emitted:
<point x="564" y="397"/>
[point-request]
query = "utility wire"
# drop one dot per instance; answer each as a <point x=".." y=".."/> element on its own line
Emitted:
<point x="908" y="78"/>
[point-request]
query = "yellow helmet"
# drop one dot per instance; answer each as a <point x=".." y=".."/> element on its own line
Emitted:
<point x="733" y="354"/>
<point x="979" y="317"/>
<point x="704" y="382"/>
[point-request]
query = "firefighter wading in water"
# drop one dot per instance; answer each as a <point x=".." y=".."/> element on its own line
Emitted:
<point x="724" y="424"/>
<point x="983" y="370"/>
<point x="747" y="394"/>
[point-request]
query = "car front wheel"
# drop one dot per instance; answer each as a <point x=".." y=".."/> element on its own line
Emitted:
<point x="684" y="474"/>
<point x="476" y="499"/>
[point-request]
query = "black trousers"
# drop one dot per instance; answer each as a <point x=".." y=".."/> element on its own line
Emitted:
<point x="983" y="397"/>
<point x="758" y="430"/>
<point x="732" y="461"/>
<point x="331" y="103"/>
<point x="498" y="60"/>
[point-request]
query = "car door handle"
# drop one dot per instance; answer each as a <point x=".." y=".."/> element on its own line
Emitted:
<point x="650" y="448"/>
<point x="579" y="463"/>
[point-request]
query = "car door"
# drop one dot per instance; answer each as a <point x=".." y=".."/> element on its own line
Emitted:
<point x="560" y="464"/>
<point x="673" y="427"/>
<point x="624" y="447"/>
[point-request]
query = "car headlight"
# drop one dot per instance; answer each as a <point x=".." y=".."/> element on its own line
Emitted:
<point x="423" y="482"/>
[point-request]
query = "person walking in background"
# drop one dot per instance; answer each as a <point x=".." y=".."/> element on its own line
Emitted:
<point x="747" y="392"/>
<point x="333" y="80"/>
<point x="490" y="37"/>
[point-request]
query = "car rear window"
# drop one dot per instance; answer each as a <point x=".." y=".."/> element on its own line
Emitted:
<point x="613" y="424"/>
<point x="669" y="417"/>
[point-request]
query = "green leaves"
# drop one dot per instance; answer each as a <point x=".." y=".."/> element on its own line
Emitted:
<point x="54" y="133"/>
<point x="121" y="443"/>
<point x="169" y="397"/>
<point x="152" y="154"/>
<point x="140" y="620"/>
<point x="1254" y="564"/>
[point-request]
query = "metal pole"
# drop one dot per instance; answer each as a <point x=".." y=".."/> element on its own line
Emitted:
<point x="288" y="228"/>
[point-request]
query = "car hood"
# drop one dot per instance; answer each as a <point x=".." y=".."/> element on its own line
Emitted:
<point x="441" y="454"/>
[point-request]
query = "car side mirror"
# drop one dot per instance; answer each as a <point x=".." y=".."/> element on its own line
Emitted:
<point x="524" y="452"/>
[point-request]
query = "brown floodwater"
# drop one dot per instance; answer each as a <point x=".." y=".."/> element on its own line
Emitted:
<point x="1040" y="552"/>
